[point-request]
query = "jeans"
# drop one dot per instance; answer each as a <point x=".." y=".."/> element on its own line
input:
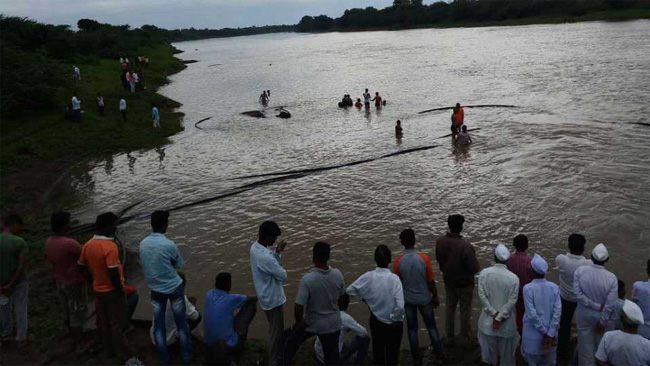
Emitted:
<point x="275" y="317"/>
<point x="462" y="295"/>
<point x="17" y="300"/>
<point x="564" y="334"/>
<point x="177" y="301"/>
<point x="412" y="328"/>
<point x="358" y="345"/>
<point x="299" y="335"/>
<point x="386" y="340"/>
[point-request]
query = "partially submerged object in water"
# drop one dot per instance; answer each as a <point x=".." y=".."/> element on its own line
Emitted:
<point x="283" y="113"/>
<point x="255" y="114"/>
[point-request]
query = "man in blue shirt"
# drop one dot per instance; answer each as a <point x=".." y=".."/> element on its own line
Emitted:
<point x="268" y="278"/>
<point x="160" y="261"/>
<point x="221" y="325"/>
<point x="542" y="317"/>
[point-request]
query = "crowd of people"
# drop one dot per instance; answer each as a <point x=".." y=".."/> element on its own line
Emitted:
<point x="520" y="309"/>
<point x="132" y="80"/>
<point x="367" y="98"/>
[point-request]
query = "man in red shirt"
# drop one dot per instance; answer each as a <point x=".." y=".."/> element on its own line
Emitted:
<point x="63" y="252"/>
<point x="101" y="257"/>
<point x="519" y="264"/>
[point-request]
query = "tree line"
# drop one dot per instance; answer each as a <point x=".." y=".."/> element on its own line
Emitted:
<point x="412" y="13"/>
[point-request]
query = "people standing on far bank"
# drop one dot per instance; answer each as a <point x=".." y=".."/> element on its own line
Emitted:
<point x="76" y="107"/>
<point x="382" y="291"/>
<point x="155" y="115"/>
<point x="542" y="317"/>
<point x="100" y="104"/>
<point x="268" y="278"/>
<point x="497" y="328"/>
<point x="597" y="292"/>
<point x="519" y="264"/>
<point x="161" y="260"/>
<point x="316" y="309"/>
<point x="14" y="288"/>
<point x="566" y="267"/>
<point x="458" y="264"/>
<point x="123" y="109"/>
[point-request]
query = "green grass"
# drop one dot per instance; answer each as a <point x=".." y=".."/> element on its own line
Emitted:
<point x="45" y="136"/>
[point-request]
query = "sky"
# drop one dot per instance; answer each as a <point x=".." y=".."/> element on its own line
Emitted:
<point x="172" y="14"/>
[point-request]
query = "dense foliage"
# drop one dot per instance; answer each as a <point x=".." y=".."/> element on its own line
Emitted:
<point x="411" y="13"/>
<point x="33" y="55"/>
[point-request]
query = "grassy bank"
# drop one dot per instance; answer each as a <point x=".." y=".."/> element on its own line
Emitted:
<point x="37" y="147"/>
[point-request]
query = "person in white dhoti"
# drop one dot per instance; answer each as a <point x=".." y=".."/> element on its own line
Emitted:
<point x="625" y="347"/>
<point x="541" y="318"/>
<point x="498" y="289"/>
<point x="597" y="292"/>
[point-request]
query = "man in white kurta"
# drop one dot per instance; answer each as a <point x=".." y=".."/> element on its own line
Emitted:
<point x="641" y="296"/>
<point x="541" y="318"/>
<point x="597" y="292"/>
<point x="498" y="289"/>
<point x="625" y="347"/>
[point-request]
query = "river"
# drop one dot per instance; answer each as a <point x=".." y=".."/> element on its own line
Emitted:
<point x="568" y="159"/>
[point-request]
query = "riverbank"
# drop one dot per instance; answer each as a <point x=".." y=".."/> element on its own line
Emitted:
<point x="38" y="147"/>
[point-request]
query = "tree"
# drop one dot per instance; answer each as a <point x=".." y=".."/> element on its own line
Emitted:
<point x="399" y="3"/>
<point x="88" y="25"/>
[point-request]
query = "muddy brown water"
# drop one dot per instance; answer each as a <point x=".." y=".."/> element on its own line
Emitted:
<point x="568" y="160"/>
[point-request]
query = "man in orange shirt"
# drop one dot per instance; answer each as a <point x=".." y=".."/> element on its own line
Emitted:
<point x="457" y="119"/>
<point x="101" y="257"/>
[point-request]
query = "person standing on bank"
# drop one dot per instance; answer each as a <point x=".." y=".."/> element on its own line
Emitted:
<point x="155" y="115"/>
<point x="160" y="261"/>
<point x="458" y="264"/>
<point x="497" y="328"/>
<point x="420" y="294"/>
<point x="519" y="264"/>
<point x="100" y="104"/>
<point x="566" y="267"/>
<point x="123" y="109"/>
<point x="316" y="309"/>
<point x="641" y="296"/>
<point x="14" y="287"/>
<point x="268" y="278"/>
<point x="597" y="292"/>
<point x="542" y="317"/>
<point x="625" y="347"/>
<point x="100" y="258"/>
<point x="382" y="291"/>
<point x="63" y="252"/>
<point x="76" y="107"/>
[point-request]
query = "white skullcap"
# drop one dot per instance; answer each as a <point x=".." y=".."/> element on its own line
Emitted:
<point x="633" y="312"/>
<point x="600" y="253"/>
<point x="501" y="252"/>
<point x="540" y="266"/>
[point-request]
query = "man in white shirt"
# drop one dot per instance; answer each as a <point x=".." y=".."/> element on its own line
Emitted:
<point x="597" y="292"/>
<point x="355" y="351"/>
<point x="641" y="296"/>
<point x="566" y="266"/>
<point x="498" y="289"/>
<point x="382" y="291"/>
<point x="625" y="347"/>
<point x="76" y="107"/>
<point x="76" y="73"/>
<point x="192" y="314"/>
<point x="316" y="309"/>
<point x="268" y="278"/>
<point x="123" y="109"/>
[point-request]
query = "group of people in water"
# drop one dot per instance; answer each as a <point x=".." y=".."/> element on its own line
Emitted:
<point x="520" y="309"/>
<point x="367" y="98"/>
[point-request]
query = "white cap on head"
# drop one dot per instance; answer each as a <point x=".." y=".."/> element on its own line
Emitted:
<point x="633" y="312"/>
<point x="600" y="253"/>
<point x="501" y="252"/>
<point x="540" y="266"/>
